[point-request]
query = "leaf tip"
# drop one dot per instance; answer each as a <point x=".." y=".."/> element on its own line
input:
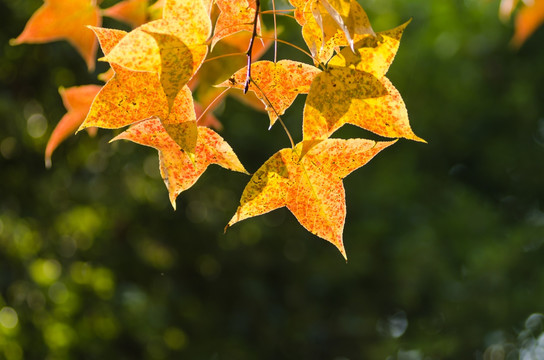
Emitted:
<point x="48" y="162"/>
<point x="14" y="42"/>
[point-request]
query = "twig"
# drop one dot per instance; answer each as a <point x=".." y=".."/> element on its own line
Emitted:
<point x="250" y="48"/>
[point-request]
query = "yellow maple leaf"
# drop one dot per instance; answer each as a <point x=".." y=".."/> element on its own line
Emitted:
<point x="64" y="20"/>
<point x="174" y="46"/>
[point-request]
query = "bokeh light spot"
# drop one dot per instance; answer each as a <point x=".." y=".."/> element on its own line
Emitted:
<point x="8" y="317"/>
<point x="175" y="338"/>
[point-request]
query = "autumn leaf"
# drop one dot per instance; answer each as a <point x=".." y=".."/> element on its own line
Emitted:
<point x="155" y="10"/>
<point x="341" y="96"/>
<point x="174" y="46"/>
<point x="311" y="188"/>
<point x="235" y="16"/>
<point x="177" y="170"/>
<point x="220" y="68"/>
<point x="354" y="90"/>
<point x="131" y="96"/>
<point x="133" y="12"/>
<point x="529" y="18"/>
<point x="373" y="54"/>
<point x="77" y="101"/>
<point x="324" y="36"/>
<point x="67" y="20"/>
<point x="275" y="84"/>
<point x="299" y="10"/>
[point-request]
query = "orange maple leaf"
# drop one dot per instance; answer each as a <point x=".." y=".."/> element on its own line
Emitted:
<point x="311" y="187"/>
<point x="529" y="18"/>
<point x="77" y="100"/>
<point x="235" y="16"/>
<point x="133" y="12"/>
<point x="299" y="10"/>
<point x="67" y="20"/>
<point x="275" y="84"/>
<point x="177" y="169"/>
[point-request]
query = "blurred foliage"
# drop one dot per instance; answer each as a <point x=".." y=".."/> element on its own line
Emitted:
<point x="445" y="239"/>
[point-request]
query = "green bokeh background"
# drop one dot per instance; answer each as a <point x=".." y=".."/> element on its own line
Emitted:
<point x="445" y="240"/>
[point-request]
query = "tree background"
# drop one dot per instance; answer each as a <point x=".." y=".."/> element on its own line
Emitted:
<point x="445" y="240"/>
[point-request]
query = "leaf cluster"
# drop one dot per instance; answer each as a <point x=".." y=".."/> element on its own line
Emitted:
<point x="166" y="79"/>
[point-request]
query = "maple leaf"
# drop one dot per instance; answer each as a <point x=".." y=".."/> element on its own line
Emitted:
<point x="235" y="16"/>
<point x="372" y="54"/>
<point x="177" y="170"/>
<point x="299" y="10"/>
<point x="275" y="84"/>
<point x="221" y="68"/>
<point x="63" y="19"/>
<point x="133" y="12"/>
<point x="131" y="96"/>
<point x="311" y="187"/>
<point x="77" y="101"/>
<point x="354" y="90"/>
<point x="341" y="12"/>
<point x="529" y="18"/>
<point x="174" y="46"/>
<point x="324" y="36"/>
<point x="343" y="95"/>
<point x="155" y="10"/>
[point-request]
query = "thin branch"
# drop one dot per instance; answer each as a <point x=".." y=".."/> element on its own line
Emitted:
<point x="277" y="11"/>
<point x="250" y="48"/>
<point x="292" y="45"/>
<point x="275" y="32"/>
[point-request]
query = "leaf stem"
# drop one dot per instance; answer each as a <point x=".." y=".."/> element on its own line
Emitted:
<point x="223" y="56"/>
<point x="211" y="104"/>
<point x="250" y="48"/>
<point x="290" y="44"/>
<point x="277" y="114"/>
<point x="275" y="32"/>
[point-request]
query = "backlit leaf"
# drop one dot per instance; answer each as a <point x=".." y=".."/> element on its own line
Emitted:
<point x="275" y="84"/>
<point x="67" y="20"/>
<point x="133" y="12"/>
<point x="529" y="18"/>
<point x="373" y="54"/>
<point x="322" y="33"/>
<point x="177" y="169"/>
<point x="311" y="187"/>
<point x="341" y="96"/>
<point x="77" y="101"/>
<point x="235" y="16"/>
<point x="131" y="96"/>
<point x="174" y="46"/>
